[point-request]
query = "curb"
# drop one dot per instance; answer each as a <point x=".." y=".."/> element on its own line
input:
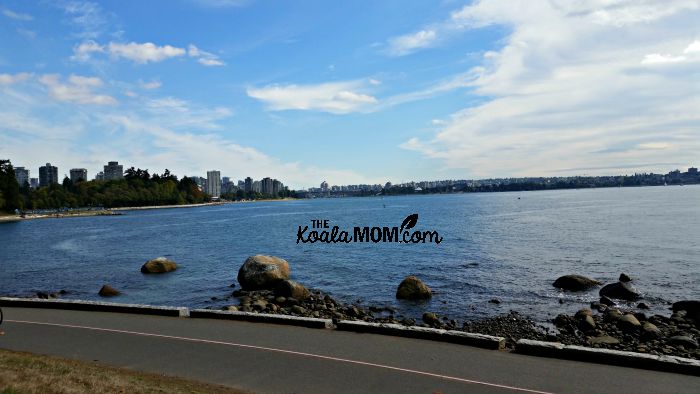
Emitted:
<point x="95" y="306"/>
<point x="434" y="334"/>
<point x="309" y="322"/>
<point x="607" y="356"/>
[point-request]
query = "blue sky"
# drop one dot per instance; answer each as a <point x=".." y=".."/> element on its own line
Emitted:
<point x="352" y="92"/>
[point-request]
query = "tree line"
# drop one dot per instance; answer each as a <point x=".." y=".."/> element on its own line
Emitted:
<point x="138" y="188"/>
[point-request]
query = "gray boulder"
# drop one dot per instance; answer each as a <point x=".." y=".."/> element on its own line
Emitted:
<point x="412" y="288"/>
<point x="620" y="291"/>
<point x="289" y="288"/>
<point x="575" y="282"/>
<point x="158" y="265"/>
<point x="262" y="272"/>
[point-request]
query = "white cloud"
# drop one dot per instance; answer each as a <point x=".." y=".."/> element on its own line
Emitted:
<point x="150" y="85"/>
<point x="567" y="91"/>
<point x="335" y="97"/>
<point x="83" y="51"/>
<point x="203" y="57"/>
<point x="16" y="15"/>
<point x="79" y="89"/>
<point x="145" y="52"/>
<point x="86" y="16"/>
<point x="656" y="58"/>
<point x="409" y="43"/>
<point x="8" y="79"/>
<point x="693" y="47"/>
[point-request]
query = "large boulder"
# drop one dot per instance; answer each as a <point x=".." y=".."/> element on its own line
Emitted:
<point x="620" y="291"/>
<point x="575" y="282"/>
<point x="289" y="288"/>
<point x="262" y="272"/>
<point x="412" y="288"/>
<point x="108" y="291"/>
<point x="690" y="306"/>
<point x="158" y="265"/>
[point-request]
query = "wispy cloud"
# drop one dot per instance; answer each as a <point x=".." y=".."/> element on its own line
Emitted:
<point x="8" y="79"/>
<point x="16" y="15"/>
<point x="203" y="57"/>
<point x="150" y="85"/>
<point x="142" y="53"/>
<point x="409" y="43"/>
<point x="546" y="107"/>
<point x="78" y="89"/>
<point x="333" y="97"/>
<point x="87" y="17"/>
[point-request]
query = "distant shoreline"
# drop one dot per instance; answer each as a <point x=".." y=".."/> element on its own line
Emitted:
<point x="116" y="211"/>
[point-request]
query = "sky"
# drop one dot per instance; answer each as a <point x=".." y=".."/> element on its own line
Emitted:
<point x="352" y="92"/>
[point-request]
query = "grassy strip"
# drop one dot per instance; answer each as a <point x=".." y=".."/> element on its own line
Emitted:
<point x="29" y="373"/>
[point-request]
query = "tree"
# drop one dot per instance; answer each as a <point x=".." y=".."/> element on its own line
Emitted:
<point x="11" y="198"/>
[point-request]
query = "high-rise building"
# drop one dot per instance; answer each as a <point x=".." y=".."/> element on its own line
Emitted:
<point x="100" y="176"/>
<point x="266" y="185"/>
<point x="248" y="184"/>
<point x="324" y="186"/>
<point x="22" y="176"/>
<point x="48" y="175"/>
<point x="256" y="187"/>
<point x="214" y="183"/>
<point x="277" y="187"/>
<point x="34" y="183"/>
<point x="241" y="185"/>
<point x="113" y="171"/>
<point x="78" y="175"/>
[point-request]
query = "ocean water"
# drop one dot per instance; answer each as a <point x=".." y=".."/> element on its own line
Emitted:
<point x="509" y="246"/>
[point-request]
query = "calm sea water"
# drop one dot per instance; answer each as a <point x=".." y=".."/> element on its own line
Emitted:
<point x="509" y="246"/>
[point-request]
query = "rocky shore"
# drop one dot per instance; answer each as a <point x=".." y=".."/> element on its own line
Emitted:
<point x="266" y="287"/>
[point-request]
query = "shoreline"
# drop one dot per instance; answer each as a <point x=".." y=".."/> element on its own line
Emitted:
<point x="9" y="218"/>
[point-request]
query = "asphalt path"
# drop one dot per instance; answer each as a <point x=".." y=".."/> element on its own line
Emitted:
<point x="268" y="358"/>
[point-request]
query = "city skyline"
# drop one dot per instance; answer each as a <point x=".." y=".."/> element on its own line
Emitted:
<point x="448" y="90"/>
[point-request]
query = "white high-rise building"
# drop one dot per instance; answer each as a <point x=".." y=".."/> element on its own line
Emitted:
<point x="214" y="183"/>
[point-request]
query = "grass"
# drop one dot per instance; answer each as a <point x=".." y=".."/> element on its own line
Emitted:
<point x="22" y="373"/>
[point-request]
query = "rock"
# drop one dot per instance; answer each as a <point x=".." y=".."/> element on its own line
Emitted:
<point x="232" y="308"/>
<point x="650" y="331"/>
<point x="624" y="278"/>
<point x="612" y="315"/>
<point x="280" y="300"/>
<point x="158" y="265"/>
<point x="620" y="291"/>
<point x="108" y="291"/>
<point x="603" y="340"/>
<point x="412" y="288"/>
<point x="692" y="307"/>
<point x="607" y="301"/>
<point x="259" y="305"/>
<point x="575" y="282"/>
<point x="586" y="323"/>
<point x="629" y="323"/>
<point x="262" y="272"/>
<point x="598" y="306"/>
<point x="642" y="305"/>
<point x="42" y="295"/>
<point x="495" y="301"/>
<point x="431" y="319"/>
<point x="685" y="341"/>
<point x="296" y="309"/>
<point x="581" y="314"/>
<point x="290" y="288"/>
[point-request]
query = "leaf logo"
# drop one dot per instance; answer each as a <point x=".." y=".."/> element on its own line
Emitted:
<point x="409" y="222"/>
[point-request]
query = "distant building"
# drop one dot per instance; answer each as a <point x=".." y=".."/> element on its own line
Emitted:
<point x="78" y="175"/>
<point x="277" y="187"/>
<point x="241" y="185"/>
<point x="248" y="184"/>
<point x="214" y="183"/>
<point x="100" y="176"/>
<point x="113" y="171"/>
<point x="22" y="176"/>
<point x="48" y="175"/>
<point x="266" y="186"/>
<point x="387" y="185"/>
<point x="34" y="183"/>
<point x="256" y="187"/>
<point x="324" y="186"/>
<point x="692" y="171"/>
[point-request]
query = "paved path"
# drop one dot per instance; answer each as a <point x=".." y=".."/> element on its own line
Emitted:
<point x="283" y="359"/>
